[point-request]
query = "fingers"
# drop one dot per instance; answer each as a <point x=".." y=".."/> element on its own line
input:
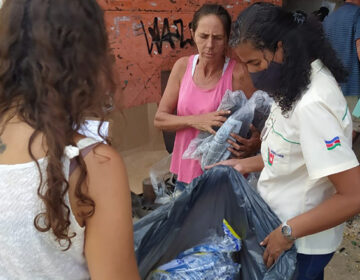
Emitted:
<point x="210" y="166"/>
<point x="265" y="256"/>
<point x="211" y="130"/>
<point x="239" y="139"/>
<point x="253" y="129"/>
<point x="236" y="146"/>
<point x="220" y="119"/>
<point x="224" y="162"/>
<point x="223" y="112"/>
<point x="270" y="261"/>
<point x="217" y="123"/>
<point x="236" y="153"/>
<point x="239" y="151"/>
<point x="269" y="258"/>
<point x="265" y="241"/>
<point x="254" y="133"/>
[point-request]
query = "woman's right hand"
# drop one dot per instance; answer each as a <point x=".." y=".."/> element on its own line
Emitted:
<point x="206" y="122"/>
<point x="243" y="166"/>
<point x="235" y="163"/>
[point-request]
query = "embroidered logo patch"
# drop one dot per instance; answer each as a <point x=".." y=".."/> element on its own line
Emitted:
<point x="332" y="144"/>
<point x="270" y="157"/>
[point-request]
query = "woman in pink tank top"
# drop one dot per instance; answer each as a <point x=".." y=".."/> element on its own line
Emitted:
<point x="196" y="86"/>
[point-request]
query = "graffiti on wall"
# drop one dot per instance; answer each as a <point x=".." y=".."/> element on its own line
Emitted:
<point x="158" y="36"/>
<point x="147" y="37"/>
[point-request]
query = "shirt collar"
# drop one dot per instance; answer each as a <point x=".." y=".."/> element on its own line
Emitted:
<point x="316" y="66"/>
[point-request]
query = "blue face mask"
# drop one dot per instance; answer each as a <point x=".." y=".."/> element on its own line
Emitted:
<point x="269" y="79"/>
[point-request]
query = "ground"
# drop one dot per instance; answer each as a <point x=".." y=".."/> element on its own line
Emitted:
<point x="345" y="264"/>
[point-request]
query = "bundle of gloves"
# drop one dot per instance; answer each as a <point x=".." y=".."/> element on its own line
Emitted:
<point x="210" y="149"/>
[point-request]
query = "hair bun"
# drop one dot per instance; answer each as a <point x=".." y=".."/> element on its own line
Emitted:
<point x="299" y="17"/>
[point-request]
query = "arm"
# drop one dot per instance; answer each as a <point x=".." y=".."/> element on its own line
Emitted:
<point x="358" y="48"/>
<point x="165" y="118"/>
<point x="244" y="147"/>
<point x="244" y="166"/>
<point x="332" y="212"/>
<point x="109" y="248"/>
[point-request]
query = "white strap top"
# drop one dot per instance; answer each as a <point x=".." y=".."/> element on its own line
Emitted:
<point x="26" y="253"/>
<point x="195" y="61"/>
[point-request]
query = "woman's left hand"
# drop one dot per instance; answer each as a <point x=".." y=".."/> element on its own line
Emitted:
<point x="275" y="244"/>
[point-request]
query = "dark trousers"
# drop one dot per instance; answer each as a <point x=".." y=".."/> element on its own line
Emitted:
<point x="311" y="267"/>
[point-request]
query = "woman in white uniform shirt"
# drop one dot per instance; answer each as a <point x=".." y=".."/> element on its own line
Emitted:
<point x="310" y="176"/>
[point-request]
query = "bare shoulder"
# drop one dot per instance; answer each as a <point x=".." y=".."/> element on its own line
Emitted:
<point x="106" y="169"/>
<point x="103" y="156"/>
<point x="182" y="62"/>
<point x="109" y="240"/>
<point x="180" y="65"/>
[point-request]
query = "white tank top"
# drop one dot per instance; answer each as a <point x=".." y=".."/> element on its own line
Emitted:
<point x="26" y="253"/>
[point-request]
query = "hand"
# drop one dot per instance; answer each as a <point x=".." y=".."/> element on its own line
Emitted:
<point x="206" y="122"/>
<point x="275" y="244"/>
<point x="243" y="147"/>
<point x="235" y="163"/>
<point x="355" y="135"/>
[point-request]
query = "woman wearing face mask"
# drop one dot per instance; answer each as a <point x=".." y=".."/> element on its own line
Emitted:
<point x="310" y="176"/>
<point x="195" y="88"/>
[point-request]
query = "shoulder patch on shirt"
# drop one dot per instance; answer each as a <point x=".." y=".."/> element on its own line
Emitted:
<point x="332" y="144"/>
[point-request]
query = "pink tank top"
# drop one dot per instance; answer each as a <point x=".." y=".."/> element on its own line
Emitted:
<point x="195" y="101"/>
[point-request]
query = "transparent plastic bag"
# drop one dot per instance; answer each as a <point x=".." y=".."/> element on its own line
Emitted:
<point x="210" y="260"/>
<point x="162" y="180"/>
<point x="210" y="149"/>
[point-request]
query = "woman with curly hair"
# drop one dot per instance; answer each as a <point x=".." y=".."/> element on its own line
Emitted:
<point x="65" y="201"/>
<point x="310" y="176"/>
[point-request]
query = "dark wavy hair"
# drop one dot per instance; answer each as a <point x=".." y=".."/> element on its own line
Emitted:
<point x="213" y="9"/>
<point x="55" y="70"/>
<point x="303" y="40"/>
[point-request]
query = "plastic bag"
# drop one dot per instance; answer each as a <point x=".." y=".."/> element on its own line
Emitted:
<point x="210" y="149"/>
<point x="210" y="260"/>
<point x="220" y="193"/>
<point x="162" y="180"/>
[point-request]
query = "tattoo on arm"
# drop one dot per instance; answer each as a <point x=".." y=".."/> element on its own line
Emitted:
<point x="2" y="146"/>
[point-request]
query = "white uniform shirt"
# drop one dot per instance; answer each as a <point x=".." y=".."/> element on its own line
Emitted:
<point x="301" y="149"/>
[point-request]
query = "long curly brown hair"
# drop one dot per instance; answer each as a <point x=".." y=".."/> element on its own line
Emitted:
<point x="55" y="70"/>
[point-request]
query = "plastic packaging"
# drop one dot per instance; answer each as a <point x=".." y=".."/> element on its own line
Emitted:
<point x="210" y="149"/>
<point x="210" y="260"/>
<point x="220" y="193"/>
<point x="162" y="180"/>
